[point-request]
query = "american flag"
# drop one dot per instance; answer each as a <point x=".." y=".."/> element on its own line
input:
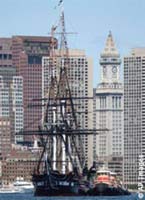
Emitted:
<point x="60" y="2"/>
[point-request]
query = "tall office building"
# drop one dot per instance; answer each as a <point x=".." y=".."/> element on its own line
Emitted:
<point x="4" y="99"/>
<point x="16" y="91"/>
<point x="27" y="53"/>
<point x="8" y="87"/>
<point x="11" y="100"/>
<point x="134" y="114"/>
<point x="6" y="73"/>
<point x="80" y="81"/>
<point x="108" y="106"/>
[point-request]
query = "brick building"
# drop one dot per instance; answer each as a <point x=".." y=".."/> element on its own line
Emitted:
<point x="20" y="163"/>
<point x="5" y="137"/>
<point x="27" y="53"/>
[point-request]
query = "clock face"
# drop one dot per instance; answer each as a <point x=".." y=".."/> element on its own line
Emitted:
<point x="114" y="69"/>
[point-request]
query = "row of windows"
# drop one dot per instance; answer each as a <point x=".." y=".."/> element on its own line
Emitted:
<point x="116" y="102"/>
<point x="5" y="56"/>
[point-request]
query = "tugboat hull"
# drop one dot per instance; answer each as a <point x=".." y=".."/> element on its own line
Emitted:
<point x="103" y="189"/>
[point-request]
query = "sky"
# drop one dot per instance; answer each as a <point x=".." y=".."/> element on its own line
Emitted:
<point x="90" y="19"/>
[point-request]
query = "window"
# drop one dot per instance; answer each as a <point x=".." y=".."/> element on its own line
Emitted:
<point x="34" y="60"/>
<point x="113" y="102"/>
<point x="119" y="102"/>
<point x="5" y="56"/>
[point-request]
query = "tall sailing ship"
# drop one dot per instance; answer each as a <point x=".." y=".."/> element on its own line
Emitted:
<point x="61" y="169"/>
<point x="62" y="159"/>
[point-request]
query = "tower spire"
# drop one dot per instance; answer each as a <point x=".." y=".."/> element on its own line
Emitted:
<point x="110" y="48"/>
<point x="110" y="62"/>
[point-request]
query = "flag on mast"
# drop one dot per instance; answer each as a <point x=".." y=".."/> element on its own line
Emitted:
<point x="60" y="2"/>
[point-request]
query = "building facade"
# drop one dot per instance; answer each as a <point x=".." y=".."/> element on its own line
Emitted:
<point x="5" y="52"/>
<point x="5" y="137"/>
<point x="80" y="81"/>
<point x="17" y="106"/>
<point x="134" y="115"/>
<point x="27" y="53"/>
<point x="19" y="163"/>
<point x="11" y="100"/>
<point x="20" y="83"/>
<point x="7" y="88"/>
<point x="108" y="106"/>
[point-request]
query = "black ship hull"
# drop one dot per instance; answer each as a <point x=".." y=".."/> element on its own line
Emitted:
<point x="58" y="185"/>
<point x="62" y="191"/>
<point x="103" y="189"/>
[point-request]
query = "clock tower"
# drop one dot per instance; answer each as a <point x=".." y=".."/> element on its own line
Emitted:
<point x="110" y="62"/>
<point x="108" y="109"/>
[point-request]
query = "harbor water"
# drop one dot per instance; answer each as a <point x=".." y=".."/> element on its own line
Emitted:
<point x="22" y="196"/>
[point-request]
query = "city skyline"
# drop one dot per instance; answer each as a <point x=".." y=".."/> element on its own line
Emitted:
<point x="34" y="67"/>
<point x="121" y="17"/>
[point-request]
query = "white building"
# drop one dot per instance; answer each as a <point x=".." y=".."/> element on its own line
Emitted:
<point x="80" y="78"/>
<point x="11" y="103"/>
<point x="134" y="116"/>
<point x="108" y="106"/>
<point x="17" y="106"/>
<point x="4" y="99"/>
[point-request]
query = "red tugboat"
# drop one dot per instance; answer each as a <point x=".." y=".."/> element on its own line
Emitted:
<point x="106" y="184"/>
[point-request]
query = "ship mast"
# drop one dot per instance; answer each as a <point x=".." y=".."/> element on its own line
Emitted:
<point x="64" y="147"/>
<point x="59" y="132"/>
<point x="67" y="107"/>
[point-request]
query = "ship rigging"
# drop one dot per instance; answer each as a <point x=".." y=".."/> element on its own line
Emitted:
<point x="62" y="166"/>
